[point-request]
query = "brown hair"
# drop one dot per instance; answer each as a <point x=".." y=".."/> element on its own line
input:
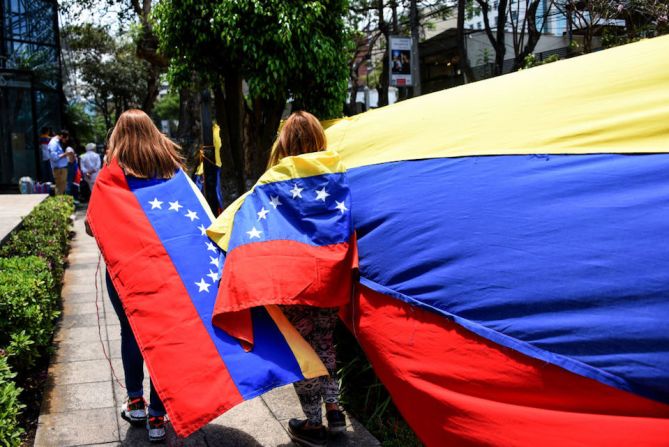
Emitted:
<point x="301" y="133"/>
<point x="140" y="149"/>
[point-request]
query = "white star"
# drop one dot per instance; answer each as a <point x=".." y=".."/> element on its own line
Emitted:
<point x="213" y="275"/>
<point x="296" y="191"/>
<point x="192" y="215"/>
<point x="321" y="194"/>
<point x="174" y="206"/>
<point x="155" y="203"/>
<point x="275" y="201"/>
<point x="204" y="286"/>
<point x="213" y="261"/>
<point x="202" y="229"/>
<point x="262" y="214"/>
<point x="254" y="233"/>
<point x="211" y="247"/>
<point x="341" y="206"/>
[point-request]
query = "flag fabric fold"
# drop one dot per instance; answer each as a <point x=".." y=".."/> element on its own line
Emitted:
<point x="152" y="235"/>
<point x="289" y="241"/>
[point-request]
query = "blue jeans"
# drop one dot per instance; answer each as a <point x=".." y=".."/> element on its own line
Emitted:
<point x="133" y="362"/>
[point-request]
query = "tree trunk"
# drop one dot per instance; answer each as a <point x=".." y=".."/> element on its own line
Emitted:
<point x="188" y="133"/>
<point x="466" y="69"/>
<point x="385" y="75"/>
<point x="260" y="128"/>
<point x="229" y="115"/>
<point x="533" y="36"/>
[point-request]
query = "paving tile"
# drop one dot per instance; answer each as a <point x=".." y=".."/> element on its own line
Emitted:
<point x="79" y="372"/>
<point x="249" y="424"/>
<point x="83" y="334"/>
<point x="76" y="428"/>
<point x="77" y="396"/>
<point x="81" y="320"/>
<point x="75" y="352"/>
<point x="82" y="297"/>
<point x="114" y="331"/>
<point x="87" y="307"/>
<point x="283" y="403"/>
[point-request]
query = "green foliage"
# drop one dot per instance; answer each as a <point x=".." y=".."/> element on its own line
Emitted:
<point x="364" y="396"/>
<point x="283" y="49"/>
<point x="44" y="233"/>
<point x="87" y="128"/>
<point x="167" y="108"/>
<point x="10" y="407"/>
<point x="532" y="61"/>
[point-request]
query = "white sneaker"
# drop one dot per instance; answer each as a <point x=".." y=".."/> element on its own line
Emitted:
<point x="134" y="411"/>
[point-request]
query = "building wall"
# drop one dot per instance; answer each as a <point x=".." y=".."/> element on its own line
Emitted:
<point x="30" y="84"/>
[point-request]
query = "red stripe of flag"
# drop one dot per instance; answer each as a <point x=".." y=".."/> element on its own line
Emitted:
<point x="194" y="383"/>
<point x="455" y="388"/>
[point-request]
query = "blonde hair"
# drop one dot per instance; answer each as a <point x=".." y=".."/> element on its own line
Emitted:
<point x="140" y="149"/>
<point x="301" y="133"/>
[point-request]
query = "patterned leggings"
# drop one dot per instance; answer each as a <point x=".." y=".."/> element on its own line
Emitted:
<point x="316" y="325"/>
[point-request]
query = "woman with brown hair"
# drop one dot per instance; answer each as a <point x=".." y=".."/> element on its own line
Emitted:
<point x="302" y="133"/>
<point x="145" y="154"/>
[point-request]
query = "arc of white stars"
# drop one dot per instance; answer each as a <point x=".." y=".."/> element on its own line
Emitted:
<point x="254" y="233"/>
<point x="341" y="206"/>
<point x="213" y="275"/>
<point x="211" y="247"/>
<point x="262" y="214"/>
<point x="192" y="215"/>
<point x="203" y="285"/>
<point x="203" y="230"/>
<point x="175" y="206"/>
<point x="296" y="191"/>
<point x="322" y="194"/>
<point x="274" y="201"/>
<point x="213" y="261"/>
<point x="155" y="203"/>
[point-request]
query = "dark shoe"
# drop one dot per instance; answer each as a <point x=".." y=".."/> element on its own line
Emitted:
<point x="336" y="421"/>
<point x="155" y="425"/>
<point x="306" y="437"/>
<point x="134" y="411"/>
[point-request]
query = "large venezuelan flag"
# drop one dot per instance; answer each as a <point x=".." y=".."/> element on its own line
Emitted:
<point x="166" y="270"/>
<point x="514" y="269"/>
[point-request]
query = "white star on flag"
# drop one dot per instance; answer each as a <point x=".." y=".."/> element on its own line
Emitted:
<point x="174" y="206"/>
<point x="213" y="261"/>
<point x="262" y="214"/>
<point x="192" y="215"/>
<point x="213" y="275"/>
<point x="341" y="206"/>
<point x="274" y="201"/>
<point x="211" y="247"/>
<point x="155" y="203"/>
<point x="203" y="285"/>
<point x="202" y="229"/>
<point x="321" y="194"/>
<point x="254" y="233"/>
<point x="296" y="191"/>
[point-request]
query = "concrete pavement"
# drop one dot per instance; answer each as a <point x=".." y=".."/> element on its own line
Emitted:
<point x="82" y="400"/>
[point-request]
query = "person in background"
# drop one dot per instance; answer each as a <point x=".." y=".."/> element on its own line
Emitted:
<point x="303" y="133"/>
<point x="72" y="187"/>
<point x="45" y="165"/>
<point x="59" y="160"/>
<point x="90" y="165"/>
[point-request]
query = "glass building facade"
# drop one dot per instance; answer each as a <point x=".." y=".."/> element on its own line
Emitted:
<point x="31" y="94"/>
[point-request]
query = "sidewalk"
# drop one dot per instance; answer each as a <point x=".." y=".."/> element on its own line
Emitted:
<point x="82" y="400"/>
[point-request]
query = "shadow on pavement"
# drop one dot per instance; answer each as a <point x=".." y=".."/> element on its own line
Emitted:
<point x="209" y="436"/>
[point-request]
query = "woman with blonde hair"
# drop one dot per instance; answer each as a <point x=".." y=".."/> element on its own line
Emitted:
<point x="145" y="154"/>
<point x="302" y="133"/>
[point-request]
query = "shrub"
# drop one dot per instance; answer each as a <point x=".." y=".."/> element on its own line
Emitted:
<point x="28" y="309"/>
<point x="44" y="233"/>
<point x="10" y="407"/>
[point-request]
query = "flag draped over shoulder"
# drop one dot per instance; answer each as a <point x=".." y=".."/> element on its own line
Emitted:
<point x="289" y="241"/>
<point x="513" y="255"/>
<point x="165" y="269"/>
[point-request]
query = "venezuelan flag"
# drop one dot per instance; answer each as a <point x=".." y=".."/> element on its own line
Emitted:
<point x="289" y="241"/>
<point x="166" y="270"/>
<point x="513" y="255"/>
